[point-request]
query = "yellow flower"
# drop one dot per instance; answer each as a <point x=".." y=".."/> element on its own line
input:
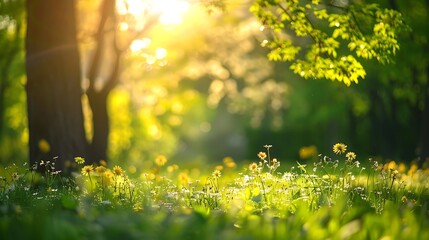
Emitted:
<point x="216" y="173"/>
<point x="172" y="168"/>
<point x="391" y="165"/>
<point x="339" y="148"/>
<point x="161" y="160"/>
<point x="253" y="166"/>
<point x="103" y="163"/>
<point x="44" y="146"/>
<point x="107" y="178"/>
<point x="79" y="160"/>
<point x="351" y="156"/>
<point x="229" y="162"/>
<point x="306" y="152"/>
<point x="183" y="178"/>
<point x="118" y="170"/>
<point x="86" y="171"/>
<point x="100" y="169"/>
<point x="404" y="199"/>
<point x="412" y="169"/>
<point x="219" y="167"/>
<point x="262" y="155"/>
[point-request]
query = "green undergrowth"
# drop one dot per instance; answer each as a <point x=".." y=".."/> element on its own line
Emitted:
<point x="331" y="198"/>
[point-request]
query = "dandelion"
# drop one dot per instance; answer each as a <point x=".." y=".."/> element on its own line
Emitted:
<point x="107" y="178"/>
<point x="219" y="167"/>
<point x="172" y="168"/>
<point x="14" y="176"/>
<point x="103" y="163"/>
<point x="339" y="148"/>
<point x="79" y="160"/>
<point x="262" y="155"/>
<point x="216" y="173"/>
<point x="86" y="170"/>
<point x="183" y="178"/>
<point x="161" y="160"/>
<point x="100" y="169"/>
<point x="307" y="152"/>
<point x="118" y="170"/>
<point x="44" y="146"/>
<point x="229" y="162"/>
<point x="391" y="165"/>
<point x="351" y="156"/>
<point x="253" y="166"/>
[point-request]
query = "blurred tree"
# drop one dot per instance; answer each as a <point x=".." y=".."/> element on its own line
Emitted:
<point x="11" y="72"/>
<point x="399" y="95"/>
<point x="54" y="74"/>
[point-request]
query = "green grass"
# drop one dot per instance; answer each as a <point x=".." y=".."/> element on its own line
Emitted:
<point x="339" y="198"/>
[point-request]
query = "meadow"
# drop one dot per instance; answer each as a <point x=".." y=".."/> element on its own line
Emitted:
<point x="338" y="197"/>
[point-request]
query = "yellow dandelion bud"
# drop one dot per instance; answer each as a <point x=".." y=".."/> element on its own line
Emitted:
<point x="118" y="170"/>
<point x="262" y="155"/>
<point x="339" y="148"/>
<point x="161" y="160"/>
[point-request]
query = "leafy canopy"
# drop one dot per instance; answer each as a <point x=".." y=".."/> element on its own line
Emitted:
<point x="328" y="39"/>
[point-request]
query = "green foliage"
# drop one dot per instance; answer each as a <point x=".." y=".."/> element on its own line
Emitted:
<point x="324" y="39"/>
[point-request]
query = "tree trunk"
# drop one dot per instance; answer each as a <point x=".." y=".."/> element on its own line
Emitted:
<point x="55" y="118"/>
<point x="100" y="122"/>
<point x="424" y="129"/>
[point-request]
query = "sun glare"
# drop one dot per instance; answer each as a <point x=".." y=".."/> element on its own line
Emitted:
<point x="140" y="44"/>
<point x="133" y="7"/>
<point x="170" y="11"/>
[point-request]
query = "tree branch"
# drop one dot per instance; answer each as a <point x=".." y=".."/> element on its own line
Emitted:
<point x="107" y="6"/>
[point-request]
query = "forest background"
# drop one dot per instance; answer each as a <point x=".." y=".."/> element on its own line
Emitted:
<point x="197" y="96"/>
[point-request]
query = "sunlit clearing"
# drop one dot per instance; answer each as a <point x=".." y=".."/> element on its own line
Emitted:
<point x="170" y="10"/>
<point x="140" y="44"/>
